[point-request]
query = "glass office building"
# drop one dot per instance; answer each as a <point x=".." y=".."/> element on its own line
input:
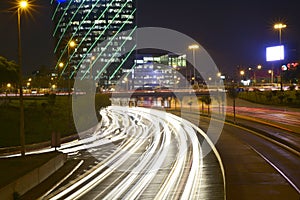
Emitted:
<point x="81" y="25"/>
<point x="154" y="72"/>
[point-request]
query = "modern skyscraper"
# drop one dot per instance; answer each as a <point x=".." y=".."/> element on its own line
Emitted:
<point x="160" y="71"/>
<point x="81" y="25"/>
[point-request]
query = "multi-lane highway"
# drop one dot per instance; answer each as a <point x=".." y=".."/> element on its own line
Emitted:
<point x="142" y="153"/>
<point x="261" y="161"/>
<point x="138" y="153"/>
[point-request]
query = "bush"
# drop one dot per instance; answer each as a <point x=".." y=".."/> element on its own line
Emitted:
<point x="292" y="87"/>
<point x="288" y="98"/>
<point x="269" y="96"/>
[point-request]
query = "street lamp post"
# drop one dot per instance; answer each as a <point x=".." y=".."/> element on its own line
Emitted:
<point x="60" y="66"/>
<point x="271" y="72"/>
<point x="22" y="6"/>
<point x="71" y="45"/>
<point x="91" y="67"/>
<point x="193" y="48"/>
<point x="242" y="73"/>
<point x="279" y="27"/>
<point x="254" y="73"/>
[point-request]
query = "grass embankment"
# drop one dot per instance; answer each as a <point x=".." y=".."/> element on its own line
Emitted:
<point x="43" y="115"/>
<point x="278" y="98"/>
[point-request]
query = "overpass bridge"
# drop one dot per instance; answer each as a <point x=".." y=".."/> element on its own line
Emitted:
<point x="162" y="97"/>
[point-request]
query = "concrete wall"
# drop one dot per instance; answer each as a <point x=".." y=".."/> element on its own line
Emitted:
<point x="33" y="178"/>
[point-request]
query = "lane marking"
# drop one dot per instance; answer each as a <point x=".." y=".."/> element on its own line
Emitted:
<point x="277" y="169"/>
<point x="60" y="182"/>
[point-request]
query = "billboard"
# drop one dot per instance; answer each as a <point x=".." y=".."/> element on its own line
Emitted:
<point x="275" y="53"/>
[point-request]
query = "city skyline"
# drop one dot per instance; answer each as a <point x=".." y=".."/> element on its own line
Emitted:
<point x="234" y="33"/>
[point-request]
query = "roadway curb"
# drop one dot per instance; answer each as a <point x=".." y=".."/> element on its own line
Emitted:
<point x="266" y="133"/>
<point x="33" y="178"/>
<point x="31" y="147"/>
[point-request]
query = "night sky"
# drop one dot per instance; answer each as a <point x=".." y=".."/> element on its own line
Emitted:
<point x="233" y="32"/>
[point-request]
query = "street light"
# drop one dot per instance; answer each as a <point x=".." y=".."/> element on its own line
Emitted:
<point x="91" y="67"/>
<point x="23" y="5"/>
<point x="61" y="65"/>
<point x="193" y="48"/>
<point x="8" y="88"/>
<point x="271" y="72"/>
<point x="254" y="72"/>
<point x="279" y="26"/>
<point x="71" y="45"/>
<point x="259" y="66"/>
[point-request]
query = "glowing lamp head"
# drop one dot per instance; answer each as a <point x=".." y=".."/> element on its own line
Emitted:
<point x="259" y="67"/>
<point x="279" y="26"/>
<point x="72" y="44"/>
<point x="194" y="46"/>
<point x="23" y="4"/>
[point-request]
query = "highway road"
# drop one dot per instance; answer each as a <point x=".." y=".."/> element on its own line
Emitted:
<point x="285" y="116"/>
<point x="139" y="153"/>
<point x="261" y="161"/>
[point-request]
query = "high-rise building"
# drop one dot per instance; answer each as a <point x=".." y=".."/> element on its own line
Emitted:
<point x="81" y="25"/>
<point x="156" y="71"/>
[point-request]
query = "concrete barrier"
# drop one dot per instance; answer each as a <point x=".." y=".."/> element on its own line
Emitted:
<point x="32" y="179"/>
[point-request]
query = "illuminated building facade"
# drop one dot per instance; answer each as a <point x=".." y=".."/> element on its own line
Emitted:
<point x="156" y="71"/>
<point x="88" y="23"/>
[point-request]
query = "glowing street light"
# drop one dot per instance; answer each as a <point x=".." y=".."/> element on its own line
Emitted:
<point x="91" y="67"/>
<point x="23" y="5"/>
<point x="71" y="45"/>
<point x="194" y="47"/>
<point x="279" y="27"/>
<point x="61" y="65"/>
<point x="242" y="72"/>
<point x="271" y="72"/>
<point x="259" y="66"/>
<point x="254" y="72"/>
<point x="8" y="85"/>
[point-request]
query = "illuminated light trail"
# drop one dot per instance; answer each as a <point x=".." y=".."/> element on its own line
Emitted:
<point x="148" y="137"/>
